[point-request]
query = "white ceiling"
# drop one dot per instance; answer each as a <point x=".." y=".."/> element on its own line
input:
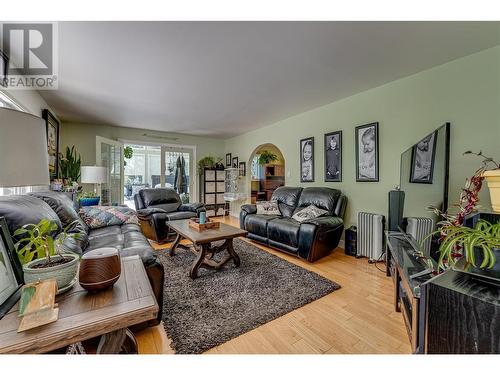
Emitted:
<point x="221" y="79"/>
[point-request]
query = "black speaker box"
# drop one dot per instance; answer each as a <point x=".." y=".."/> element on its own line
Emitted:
<point x="396" y="205"/>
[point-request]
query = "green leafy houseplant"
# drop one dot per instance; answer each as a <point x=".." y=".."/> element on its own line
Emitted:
<point x="484" y="236"/>
<point x="69" y="164"/>
<point x="206" y="162"/>
<point x="128" y="152"/>
<point x="267" y="157"/>
<point x="38" y="243"/>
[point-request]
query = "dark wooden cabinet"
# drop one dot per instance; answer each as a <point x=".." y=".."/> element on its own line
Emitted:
<point x="213" y="187"/>
<point x="462" y="315"/>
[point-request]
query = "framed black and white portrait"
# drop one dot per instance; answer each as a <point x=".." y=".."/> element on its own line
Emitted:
<point x="307" y="159"/>
<point x="10" y="271"/>
<point x="333" y="156"/>
<point x="235" y="162"/>
<point x="243" y="168"/>
<point x="422" y="160"/>
<point x="228" y="160"/>
<point x="367" y="152"/>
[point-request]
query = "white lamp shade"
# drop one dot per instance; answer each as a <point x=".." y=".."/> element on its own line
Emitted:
<point x="93" y="175"/>
<point x="23" y="146"/>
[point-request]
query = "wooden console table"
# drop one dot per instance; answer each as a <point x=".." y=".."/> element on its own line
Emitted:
<point x="84" y="315"/>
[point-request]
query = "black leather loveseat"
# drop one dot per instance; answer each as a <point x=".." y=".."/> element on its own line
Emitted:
<point x="19" y="210"/>
<point x="312" y="239"/>
<point x="156" y="207"/>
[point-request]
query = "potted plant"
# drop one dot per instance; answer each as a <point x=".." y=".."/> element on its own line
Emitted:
<point x="88" y="199"/>
<point x="128" y="152"/>
<point x="489" y="171"/>
<point x="69" y="166"/>
<point x="42" y="256"/>
<point x="479" y="245"/>
<point x="206" y="162"/>
<point x="266" y="157"/>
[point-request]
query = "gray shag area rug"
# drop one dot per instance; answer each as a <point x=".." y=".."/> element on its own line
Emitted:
<point x="220" y="305"/>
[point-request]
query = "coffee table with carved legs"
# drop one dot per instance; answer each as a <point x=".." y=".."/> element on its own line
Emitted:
<point x="203" y="244"/>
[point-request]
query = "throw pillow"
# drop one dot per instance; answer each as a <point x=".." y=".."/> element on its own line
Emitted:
<point x="268" y="208"/>
<point x="310" y="212"/>
<point x="104" y="216"/>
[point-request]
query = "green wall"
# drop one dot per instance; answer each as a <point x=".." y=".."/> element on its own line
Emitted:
<point x="464" y="92"/>
<point x="83" y="137"/>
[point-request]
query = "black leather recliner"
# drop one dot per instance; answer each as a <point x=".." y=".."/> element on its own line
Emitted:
<point x="312" y="239"/>
<point x="156" y="207"/>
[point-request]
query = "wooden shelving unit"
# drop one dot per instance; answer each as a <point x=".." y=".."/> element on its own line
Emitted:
<point x="213" y="192"/>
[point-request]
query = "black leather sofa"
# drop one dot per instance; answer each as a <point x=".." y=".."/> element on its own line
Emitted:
<point x="155" y="207"/>
<point x="19" y="210"/>
<point x="312" y="239"/>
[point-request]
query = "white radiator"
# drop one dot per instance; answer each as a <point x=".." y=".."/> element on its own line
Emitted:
<point x="419" y="228"/>
<point x="370" y="241"/>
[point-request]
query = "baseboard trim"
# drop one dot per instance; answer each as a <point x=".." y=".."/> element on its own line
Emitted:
<point x="341" y="244"/>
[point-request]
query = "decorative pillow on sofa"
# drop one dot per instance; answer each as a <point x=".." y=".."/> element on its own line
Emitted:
<point x="268" y="208"/>
<point x="104" y="216"/>
<point x="310" y="212"/>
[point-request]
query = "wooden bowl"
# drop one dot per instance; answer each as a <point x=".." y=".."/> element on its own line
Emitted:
<point x="100" y="269"/>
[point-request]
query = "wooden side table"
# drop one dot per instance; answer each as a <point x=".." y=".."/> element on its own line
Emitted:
<point x="84" y="315"/>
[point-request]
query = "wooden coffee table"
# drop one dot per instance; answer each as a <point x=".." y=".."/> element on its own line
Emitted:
<point x="84" y="315"/>
<point x="203" y="246"/>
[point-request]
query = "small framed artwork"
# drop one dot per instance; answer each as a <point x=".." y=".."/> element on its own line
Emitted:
<point x="333" y="156"/>
<point x="307" y="159"/>
<point x="243" y="168"/>
<point x="367" y="152"/>
<point x="10" y="271"/>
<point x="228" y="160"/>
<point x="235" y="162"/>
<point x="422" y="160"/>
<point x="52" y="128"/>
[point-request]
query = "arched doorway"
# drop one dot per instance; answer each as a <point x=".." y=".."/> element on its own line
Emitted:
<point x="267" y="172"/>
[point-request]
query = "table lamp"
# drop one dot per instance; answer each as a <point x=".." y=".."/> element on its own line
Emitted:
<point x="23" y="142"/>
<point x="93" y="175"/>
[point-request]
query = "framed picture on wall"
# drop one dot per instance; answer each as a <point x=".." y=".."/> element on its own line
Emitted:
<point x="243" y="168"/>
<point x="52" y="128"/>
<point x="10" y="271"/>
<point x="333" y="156"/>
<point x="367" y="152"/>
<point x="422" y="160"/>
<point x="235" y="162"/>
<point x="307" y="159"/>
<point x="4" y="68"/>
<point x="228" y="160"/>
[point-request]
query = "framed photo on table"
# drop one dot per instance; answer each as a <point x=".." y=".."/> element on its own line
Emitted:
<point x="367" y="152"/>
<point x="235" y="162"/>
<point x="228" y="160"/>
<point x="307" y="159"/>
<point x="10" y="271"/>
<point x="333" y="156"/>
<point x="422" y="160"/>
<point x="52" y="128"/>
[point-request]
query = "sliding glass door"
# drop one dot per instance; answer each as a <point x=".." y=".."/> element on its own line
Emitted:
<point x="109" y="154"/>
<point x="153" y="166"/>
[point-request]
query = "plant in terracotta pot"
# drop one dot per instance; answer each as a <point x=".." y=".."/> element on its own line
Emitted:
<point x="42" y="256"/>
<point x="489" y="171"/>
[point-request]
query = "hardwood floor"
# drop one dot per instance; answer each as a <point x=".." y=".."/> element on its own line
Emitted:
<point x="358" y="318"/>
